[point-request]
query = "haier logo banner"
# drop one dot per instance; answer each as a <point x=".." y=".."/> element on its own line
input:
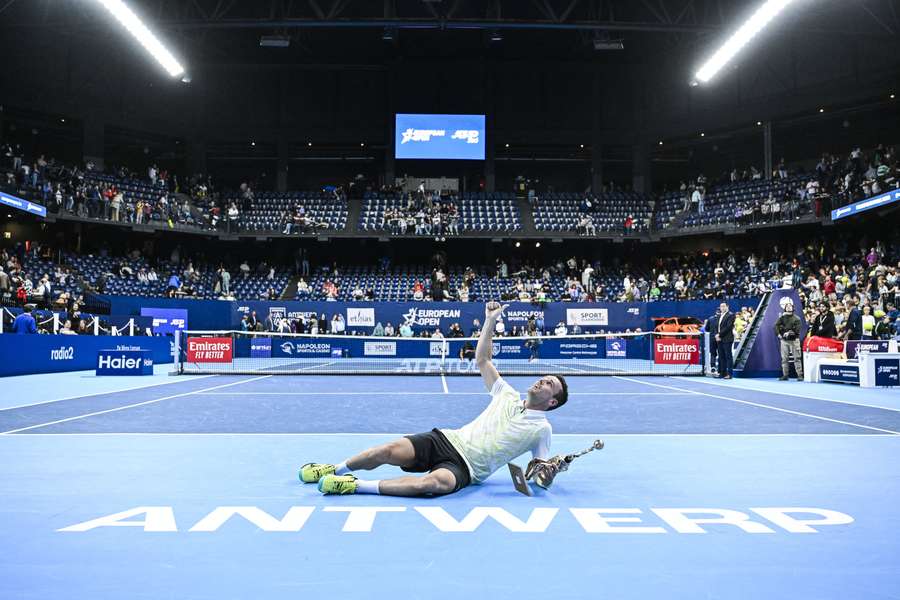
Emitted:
<point x="615" y="348"/>
<point x="166" y="320"/>
<point x="260" y="347"/>
<point x="360" y="317"/>
<point x="124" y="362"/>
<point x="587" y="317"/>
<point x="439" y="136"/>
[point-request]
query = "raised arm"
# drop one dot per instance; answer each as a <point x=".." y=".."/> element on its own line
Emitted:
<point x="484" y="350"/>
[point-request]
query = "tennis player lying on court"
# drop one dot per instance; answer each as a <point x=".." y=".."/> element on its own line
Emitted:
<point x="455" y="458"/>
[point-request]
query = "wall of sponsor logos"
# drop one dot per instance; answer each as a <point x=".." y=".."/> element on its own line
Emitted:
<point x="362" y="316"/>
<point x="25" y="354"/>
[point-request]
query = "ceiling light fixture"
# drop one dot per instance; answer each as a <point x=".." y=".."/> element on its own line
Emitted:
<point x="740" y="38"/>
<point x="143" y="35"/>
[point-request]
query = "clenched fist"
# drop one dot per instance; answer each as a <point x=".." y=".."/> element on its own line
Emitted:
<point x="493" y="310"/>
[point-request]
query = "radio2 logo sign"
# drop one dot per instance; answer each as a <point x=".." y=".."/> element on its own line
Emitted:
<point x="672" y="351"/>
<point x="587" y="317"/>
<point x="209" y="350"/>
<point x="63" y="353"/>
<point x="360" y="317"/>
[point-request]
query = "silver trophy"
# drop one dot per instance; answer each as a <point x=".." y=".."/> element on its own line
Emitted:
<point x="542" y="471"/>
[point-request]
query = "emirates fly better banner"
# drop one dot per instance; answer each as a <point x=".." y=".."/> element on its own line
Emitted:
<point x="209" y="349"/>
<point x="676" y="351"/>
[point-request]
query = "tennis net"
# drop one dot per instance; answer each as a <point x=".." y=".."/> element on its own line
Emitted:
<point x="242" y="352"/>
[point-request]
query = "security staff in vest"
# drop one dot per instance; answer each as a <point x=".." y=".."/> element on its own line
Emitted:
<point x="724" y="340"/>
<point x="787" y="328"/>
<point x="711" y="326"/>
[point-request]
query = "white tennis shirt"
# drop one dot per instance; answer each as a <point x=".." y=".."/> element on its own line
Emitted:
<point x="503" y="431"/>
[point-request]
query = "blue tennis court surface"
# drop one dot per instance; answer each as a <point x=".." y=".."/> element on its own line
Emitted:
<point x="186" y="488"/>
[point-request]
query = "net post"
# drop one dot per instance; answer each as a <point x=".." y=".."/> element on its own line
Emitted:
<point x="176" y="352"/>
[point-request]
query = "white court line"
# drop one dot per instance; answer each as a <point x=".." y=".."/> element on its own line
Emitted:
<point x="358" y="434"/>
<point x="444" y="383"/>
<point x="774" y="393"/>
<point x="747" y="402"/>
<point x="130" y="389"/>
<point x="317" y="366"/>
<point x="103" y="412"/>
<point x="480" y="393"/>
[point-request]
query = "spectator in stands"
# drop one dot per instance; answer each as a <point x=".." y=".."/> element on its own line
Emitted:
<point x="66" y="328"/>
<point x="378" y="330"/>
<point x="302" y="289"/>
<point x="337" y="324"/>
<point x="25" y="323"/>
<point x="252" y="321"/>
<point x="232" y="218"/>
<point x="226" y="280"/>
<point x="853" y="328"/>
<point x="560" y="329"/>
<point x="389" y="330"/>
<point x="476" y="328"/>
<point x="173" y="287"/>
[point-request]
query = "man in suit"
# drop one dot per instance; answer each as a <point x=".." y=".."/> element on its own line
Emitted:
<point x="711" y="327"/>
<point x="724" y="339"/>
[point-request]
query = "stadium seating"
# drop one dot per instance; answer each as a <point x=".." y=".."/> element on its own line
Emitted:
<point x="323" y="209"/>
<point x="561" y="211"/>
<point x="721" y="201"/>
<point x="478" y="211"/>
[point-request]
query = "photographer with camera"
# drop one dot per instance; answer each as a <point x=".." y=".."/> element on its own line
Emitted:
<point x="788" y="329"/>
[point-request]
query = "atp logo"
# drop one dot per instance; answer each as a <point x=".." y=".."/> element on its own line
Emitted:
<point x="470" y="135"/>
<point x="287" y="348"/>
<point x="615" y="346"/>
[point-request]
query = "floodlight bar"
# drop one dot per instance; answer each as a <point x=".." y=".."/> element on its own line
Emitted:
<point x="763" y="15"/>
<point x="130" y="21"/>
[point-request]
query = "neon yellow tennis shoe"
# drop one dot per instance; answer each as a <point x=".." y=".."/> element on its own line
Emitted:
<point x="338" y="484"/>
<point x="313" y="472"/>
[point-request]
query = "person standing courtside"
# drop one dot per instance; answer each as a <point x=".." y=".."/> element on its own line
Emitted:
<point x="787" y="328"/>
<point x="711" y="326"/>
<point x="724" y="340"/>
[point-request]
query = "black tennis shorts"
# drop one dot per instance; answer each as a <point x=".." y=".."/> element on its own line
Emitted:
<point x="434" y="451"/>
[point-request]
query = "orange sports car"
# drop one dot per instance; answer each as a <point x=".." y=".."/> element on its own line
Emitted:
<point x="677" y="324"/>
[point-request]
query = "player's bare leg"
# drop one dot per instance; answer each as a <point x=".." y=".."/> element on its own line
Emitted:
<point x="439" y="481"/>
<point x="399" y="453"/>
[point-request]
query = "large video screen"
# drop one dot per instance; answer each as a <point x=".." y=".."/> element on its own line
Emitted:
<point x="439" y="136"/>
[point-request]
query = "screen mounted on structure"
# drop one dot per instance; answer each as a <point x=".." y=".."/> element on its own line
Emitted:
<point x="439" y="137"/>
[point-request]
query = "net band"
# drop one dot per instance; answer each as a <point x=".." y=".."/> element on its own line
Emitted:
<point x="242" y="352"/>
